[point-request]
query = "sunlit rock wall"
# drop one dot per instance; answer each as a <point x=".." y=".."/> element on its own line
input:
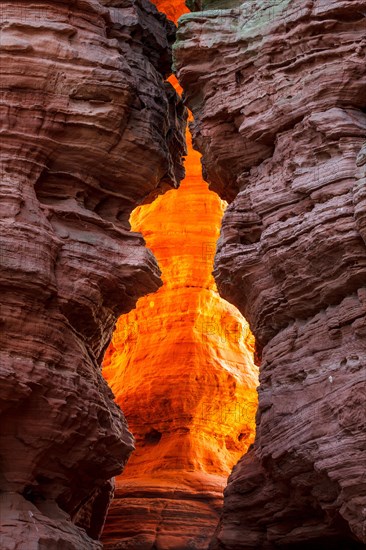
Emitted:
<point x="277" y="90"/>
<point x="88" y="130"/>
<point x="181" y="367"/>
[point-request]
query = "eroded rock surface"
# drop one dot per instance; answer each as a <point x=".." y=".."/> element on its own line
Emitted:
<point x="278" y="94"/>
<point x="89" y="130"/>
<point x="181" y="367"/>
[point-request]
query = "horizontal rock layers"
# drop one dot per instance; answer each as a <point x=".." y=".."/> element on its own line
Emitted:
<point x="278" y="94"/>
<point x="89" y="130"/>
<point x="181" y="367"/>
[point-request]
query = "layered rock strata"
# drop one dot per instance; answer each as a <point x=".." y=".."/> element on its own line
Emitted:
<point x="89" y="130"/>
<point x="181" y="367"/>
<point x="278" y="94"/>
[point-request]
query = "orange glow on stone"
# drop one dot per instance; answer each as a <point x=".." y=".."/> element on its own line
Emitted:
<point x="173" y="10"/>
<point x="181" y="364"/>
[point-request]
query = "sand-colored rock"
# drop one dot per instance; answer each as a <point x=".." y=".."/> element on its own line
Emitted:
<point x="278" y="94"/>
<point x="89" y="130"/>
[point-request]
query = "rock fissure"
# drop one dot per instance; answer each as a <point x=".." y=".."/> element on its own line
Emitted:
<point x="182" y="369"/>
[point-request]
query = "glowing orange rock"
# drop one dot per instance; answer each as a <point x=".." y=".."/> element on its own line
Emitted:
<point x="181" y="367"/>
<point x="181" y="363"/>
<point x="172" y="9"/>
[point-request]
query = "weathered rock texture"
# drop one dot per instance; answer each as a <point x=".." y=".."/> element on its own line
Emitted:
<point x="278" y="91"/>
<point x="89" y="129"/>
<point x="181" y="367"/>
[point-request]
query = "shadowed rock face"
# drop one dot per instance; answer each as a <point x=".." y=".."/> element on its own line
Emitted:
<point x="89" y="130"/>
<point x="278" y="95"/>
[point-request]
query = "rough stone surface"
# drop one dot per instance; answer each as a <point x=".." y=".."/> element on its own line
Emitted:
<point x="181" y="367"/>
<point x="173" y="511"/>
<point x="278" y="94"/>
<point x="89" y="130"/>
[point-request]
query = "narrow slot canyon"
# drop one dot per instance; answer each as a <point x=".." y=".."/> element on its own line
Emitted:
<point x="183" y="275"/>
<point x="181" y="366"/>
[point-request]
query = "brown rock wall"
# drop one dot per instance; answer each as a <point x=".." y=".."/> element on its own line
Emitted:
<point x="89" y="130"/>
<point x="278" y="94"/>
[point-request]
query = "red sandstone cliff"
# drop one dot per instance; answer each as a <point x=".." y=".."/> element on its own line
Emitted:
<point x="278" y="91"/>
<point x="89" y="129"/>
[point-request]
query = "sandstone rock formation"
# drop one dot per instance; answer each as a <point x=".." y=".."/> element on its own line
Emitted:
<point x="89" y="130"/>
<point x="181" y="367"/>
<point x="277" y="90"/>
